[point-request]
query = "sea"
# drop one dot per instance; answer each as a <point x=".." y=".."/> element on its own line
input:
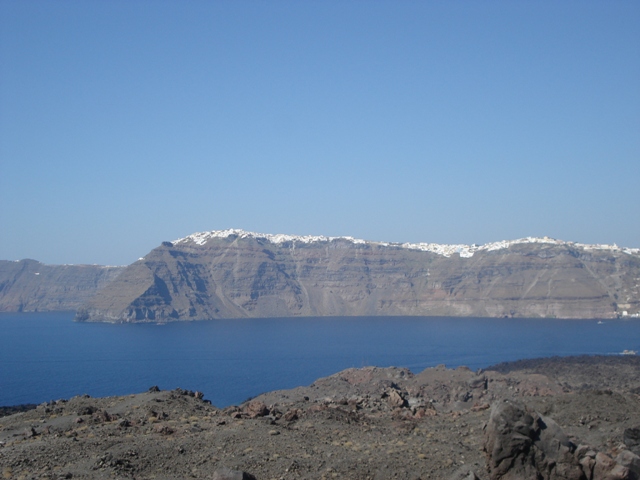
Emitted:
<point x="47" y="356"/>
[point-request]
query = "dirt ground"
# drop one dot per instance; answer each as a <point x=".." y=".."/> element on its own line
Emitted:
<point x="369" y="423"/>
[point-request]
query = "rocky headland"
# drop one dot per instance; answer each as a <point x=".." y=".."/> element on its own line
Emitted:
<point x="233" y="274"/>
<point x="560" y="418"/>
<point x="31" y="286"/>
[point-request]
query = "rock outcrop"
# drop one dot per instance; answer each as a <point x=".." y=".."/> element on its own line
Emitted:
<point x="542" y="425"/>
<point x="632" y="439"/>
<point x="521" y="444"/>
<point x="31" y="286"/>
<point x="235" y="274"/>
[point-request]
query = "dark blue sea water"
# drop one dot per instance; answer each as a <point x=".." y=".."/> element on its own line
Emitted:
<point x="45" y="356"/>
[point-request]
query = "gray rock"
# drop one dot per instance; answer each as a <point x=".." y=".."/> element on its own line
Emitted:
<point x="31" y="286"/>
<point x="478" y="382"/>
<point x="631" y="438"/>
<point x="255" y="409"/>
<point x="464" y="473"/>
<point x="523" y="445"/>
<point x="228" y="474"/>
<point x="604" y="464"/>
<point x="395" y="400"/>
<point x="631" y="462"/>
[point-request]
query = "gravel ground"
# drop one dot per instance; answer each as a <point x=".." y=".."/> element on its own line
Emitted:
<point x="369" y="423"/>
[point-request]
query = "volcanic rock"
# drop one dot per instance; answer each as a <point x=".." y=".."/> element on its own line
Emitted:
<point x="234" y="274"/>
<point x="523" y="445"/>
<point x="256" y="409"/>
<point x="631" y="438"/>
<point x="465" y="473"/>
<point x="228" y="474"/>
<point x="31" y="286"/>
<point x="631" y="462"/>
<point x="343" y="428"/>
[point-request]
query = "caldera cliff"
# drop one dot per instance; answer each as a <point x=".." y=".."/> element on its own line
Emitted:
<point x="31" y="286"/>
<point x="234" y="274"/>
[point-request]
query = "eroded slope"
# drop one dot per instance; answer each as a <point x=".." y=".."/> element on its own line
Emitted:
<point x="236" y="274"/>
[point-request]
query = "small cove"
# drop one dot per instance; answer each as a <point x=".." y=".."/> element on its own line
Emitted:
<point x="45" y="356"/>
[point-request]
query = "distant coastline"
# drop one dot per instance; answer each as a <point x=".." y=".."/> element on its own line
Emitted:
<point x="238" y="274"/>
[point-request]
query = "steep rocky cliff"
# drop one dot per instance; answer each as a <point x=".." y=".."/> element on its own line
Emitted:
<point x="232" y="273"/>
<point x="31" y="286"/>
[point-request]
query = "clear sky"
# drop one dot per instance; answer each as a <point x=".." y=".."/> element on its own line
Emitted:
<point x="127" y="123"/>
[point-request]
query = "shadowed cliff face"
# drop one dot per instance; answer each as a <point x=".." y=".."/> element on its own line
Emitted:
<point x="239" y="276"/>
<point x="31" y="286"/>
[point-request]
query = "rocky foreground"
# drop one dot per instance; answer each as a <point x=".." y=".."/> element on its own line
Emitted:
<point x="571" y="418"/>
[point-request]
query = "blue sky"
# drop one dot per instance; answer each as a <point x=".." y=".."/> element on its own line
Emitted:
<point x="124" y="124"/>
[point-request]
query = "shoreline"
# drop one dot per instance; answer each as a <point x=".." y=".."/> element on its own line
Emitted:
<point x="529" y="364"/>
<point x="360" y="423"/>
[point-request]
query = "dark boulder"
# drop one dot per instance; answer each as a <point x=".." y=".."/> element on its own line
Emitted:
<point x="524" y="445"/>
<point x="228" y="474"/>
<point x="631" y="438"/>
<point x="631" y="462"/>
<point x="87" y="410"/>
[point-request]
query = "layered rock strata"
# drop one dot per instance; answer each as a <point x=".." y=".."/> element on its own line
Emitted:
<point x="31" y="286"/>
<point x="235" y="274"/>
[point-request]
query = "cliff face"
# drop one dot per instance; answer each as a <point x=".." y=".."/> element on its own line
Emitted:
<point x="31" y="286"/>
<point x="238" y="274"/>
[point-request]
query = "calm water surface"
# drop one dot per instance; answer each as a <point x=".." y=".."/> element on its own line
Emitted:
<point x="45" y="356"/>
